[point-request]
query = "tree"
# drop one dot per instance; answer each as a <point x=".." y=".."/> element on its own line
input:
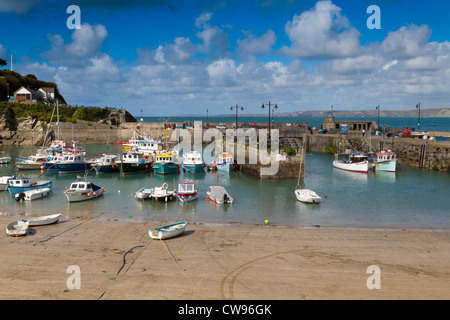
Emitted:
<point x="3" y="63"/>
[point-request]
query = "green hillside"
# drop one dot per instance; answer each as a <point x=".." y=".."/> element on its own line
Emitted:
<point x="16" y="81"/>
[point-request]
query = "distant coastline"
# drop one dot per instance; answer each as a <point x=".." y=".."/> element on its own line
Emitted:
<point x="435" y="112"/>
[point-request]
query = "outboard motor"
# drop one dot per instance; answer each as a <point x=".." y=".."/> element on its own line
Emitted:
<point x="19" y="196"/>
<point x="225" y="199"/>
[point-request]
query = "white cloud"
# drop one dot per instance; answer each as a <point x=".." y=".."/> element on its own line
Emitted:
<point x="406" y="42"/>
<point x="19" y="7"/>
<point x="321" y="32"/>
<point x="222" y="72"/>
<point x="215" y="40"/>
<point x="255" y="46"/>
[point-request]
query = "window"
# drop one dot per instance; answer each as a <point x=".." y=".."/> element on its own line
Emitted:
<point x="73" y="186"/>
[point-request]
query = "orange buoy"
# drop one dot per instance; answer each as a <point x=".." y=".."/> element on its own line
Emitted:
<point x="89" y="194"/>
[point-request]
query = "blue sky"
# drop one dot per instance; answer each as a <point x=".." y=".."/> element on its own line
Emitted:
<point x="172" y="57"/>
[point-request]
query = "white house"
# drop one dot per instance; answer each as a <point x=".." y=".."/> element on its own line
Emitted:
<point x="47" y="92"/>
<point x="27" y="95"/>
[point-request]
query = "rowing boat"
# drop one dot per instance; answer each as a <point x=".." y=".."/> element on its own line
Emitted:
<point x="17" y="228"/>
<point x="168" y="231"/>
<point x="43" y="220"/>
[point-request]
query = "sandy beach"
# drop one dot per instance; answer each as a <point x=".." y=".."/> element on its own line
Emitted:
<point x="117" y="260"/>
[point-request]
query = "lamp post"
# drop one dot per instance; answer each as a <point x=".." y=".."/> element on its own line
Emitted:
<point x="262" y="107"/>
<point x="332" y="111"/>
<point x="418" y="120"/>
<point x="7" y="91"/>
<point x="378" y="108"/>
<point x="237" y="108"/>
<point x="206" y="117"/>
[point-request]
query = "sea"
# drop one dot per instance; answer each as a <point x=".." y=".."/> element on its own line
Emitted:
<point x="409" y="198"/>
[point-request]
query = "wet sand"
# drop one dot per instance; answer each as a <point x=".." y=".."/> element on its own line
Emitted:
<point x="118" y="260"/>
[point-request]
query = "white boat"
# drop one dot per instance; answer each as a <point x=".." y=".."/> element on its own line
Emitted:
<point x="219" y="195"/>
<point x="4" y="182"/>
<point x="34" y="194"/>
<point x="307" y="196"/>
<point x="144" y="193"/>
<point x="106" y="163"/>
<point x="17" y="228"/>
<point x="162" y="194"/>
<point x="82" y="191"/>
<point x="192" y="162"/>
<point x="168" y="231"/>
<point x="42" y="221"/>
<point x="187" y="191"/>
<point x="5" y="160"/>
<point x="225" y="162"/>
<point x="355" y="162"/>
<point x="33" y="163"/>
<point x="385" y="161"/>
<point x="18" y="185"/>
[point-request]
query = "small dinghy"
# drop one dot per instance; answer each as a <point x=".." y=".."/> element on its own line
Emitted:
<point x="32" y="194"/>
<point x="219" y="195"/>
<point x="143" y="194"/>
<point x="17" y="228"/>
<point x="83" y="190"/>
<point x="42" y="221"/>
<point x="187" y="191"/>
<point x="169" y="231"/>
<point x="307" y="196"/>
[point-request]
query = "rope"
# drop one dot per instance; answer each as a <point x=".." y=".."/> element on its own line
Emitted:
<point x="171" y="255"/>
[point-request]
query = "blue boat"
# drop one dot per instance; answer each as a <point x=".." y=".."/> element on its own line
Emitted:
<point x="18" y="185"/>
<point x="192" y="162"/>
<point x="225" y="162"/>
<point x="74" y="163"/>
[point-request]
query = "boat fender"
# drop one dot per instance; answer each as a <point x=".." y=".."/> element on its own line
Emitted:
<point x="104" y="190"/>
<point x="89" y="194"/>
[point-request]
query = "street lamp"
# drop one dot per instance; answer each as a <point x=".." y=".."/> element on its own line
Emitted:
<point x="262" y="107"/>
<point x="237" y="108"/>
<point x="378" y="108"/>
<point x="332" y="111"/>
<point x="7" y="91"/>
<point x="207" y="117"/>
<point x="418" y="120"/>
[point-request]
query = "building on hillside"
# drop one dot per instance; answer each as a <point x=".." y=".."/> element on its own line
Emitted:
<point x="47" y="92"/>
<point x="27" y="95"/>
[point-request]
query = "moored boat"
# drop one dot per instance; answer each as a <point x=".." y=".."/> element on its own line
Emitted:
<point x="5" y="160"/>
<point x="33" y="163"/>
<point x="168" y="231"/>
<point x="43" y="220"/>
<point x="144" y="193"/>
<point x="133" y="163"/>
<point x="355" y="162"/>
<point x="219" y="195"/>
<point x="163" y="194"/>
<point x="165" y="163"/>
<point x="4" y="182"/>
<point x="192" y="162"/>
<point x="18" y="185"/>
<point x="187" y="191"/>
<point x="224" y="162"/>
<point x="17" y="228"/>
<point x="82" y="190"/>
<point x="32" y="194"/>
<point x="307" y="196"/>
<point x="106" y="163"/>
<point x="385" y="161"/>
<point x="73" y="163"/>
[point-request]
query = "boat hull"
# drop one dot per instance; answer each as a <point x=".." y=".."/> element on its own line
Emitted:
<point x="17" y="228"/>
<point x="386" y="166"/>
<point x="187" y="197"/>
<point x="42" y="221"/>
<point x="29" y="166"/>
<point x="132" y="168"/>
<point x="225" y="166"/>
<point x="193" y="167"/>
<point x="167" y="232"/>
<point x="362" y="167"/>
<point x="38" y="185"/>
<point x="165" y="168"/>
<point x="106" y="168"/>
<point x="73" y="167"/>
<point x="79" y="196"/>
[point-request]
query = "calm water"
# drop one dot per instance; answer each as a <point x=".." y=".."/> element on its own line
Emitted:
<point x="409" y="198"/>
<point x="426" y="123"/>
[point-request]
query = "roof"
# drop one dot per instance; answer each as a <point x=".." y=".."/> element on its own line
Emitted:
<point x="48" y="89"/>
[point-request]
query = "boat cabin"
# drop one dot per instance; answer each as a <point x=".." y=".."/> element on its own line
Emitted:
<point x="224" y="158"/>
<point x="386" y="156"/>
<point x="132" y="157"/>
<point x="81" y="186"/>
<point x="164" y="157"/>
<point x="186" y="187"/>
<point x="20" y="182"/>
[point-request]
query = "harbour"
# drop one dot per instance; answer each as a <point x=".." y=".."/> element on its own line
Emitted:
<point x="411" y="197"/>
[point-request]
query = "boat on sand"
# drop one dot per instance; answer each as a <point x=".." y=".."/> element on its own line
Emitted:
<point x="168" y="231"/>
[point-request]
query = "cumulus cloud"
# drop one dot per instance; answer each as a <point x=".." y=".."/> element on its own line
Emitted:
<point x="322" y="32"/>
<point x="86" y="42"/>
<point x="408" y="41"/>
<point x="215" y="40"/>
<point x="255" y="46"/>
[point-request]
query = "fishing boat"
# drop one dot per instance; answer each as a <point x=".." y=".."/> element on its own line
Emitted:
<point x="307" y="196"/>
<point x="385" y="161"/>
<point x="144" y="193"/>
<point x="354" y="162"/>
<point x="192" y="162"/>
<point x="163" y="194"/>
<point x="224" y="162"/>
<point x="82" y="190"/>
<point x="106" y="163"/>
<point x="33" y="163"/>
<point x="5" y="160"/>
<point x="141" y="143"/>
<point x="4" y="182"/>
<point x="73" y="163"/>
<point x="43" y="220"/>
<point x="17" y="228"/>
<point x="187" y="191"/>
<point x="219" y="195"/>
<point x="133" y="163"/>
<point x="168" y="231"/>
<point x="33" y="194"/>
<point x="165" y="163"/>
<point x="50" y="165"/>
<point x="18" y="185"/>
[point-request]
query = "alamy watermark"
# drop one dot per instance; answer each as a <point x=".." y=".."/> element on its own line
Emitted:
<point x="374" y="21"/>
<point x="74" y="21"/>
